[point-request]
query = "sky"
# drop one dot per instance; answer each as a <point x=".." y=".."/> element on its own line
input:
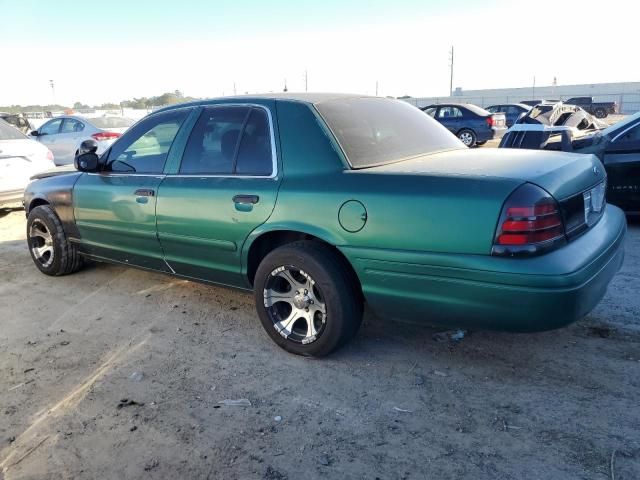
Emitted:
<point x="99" y="52"/>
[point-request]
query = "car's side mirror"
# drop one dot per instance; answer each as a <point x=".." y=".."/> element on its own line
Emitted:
<point x="35" y="133"/>
<point x="88" y="146"/>
<point x="87" y="160"/>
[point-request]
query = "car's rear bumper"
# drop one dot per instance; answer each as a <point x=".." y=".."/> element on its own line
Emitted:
<point x="486" y="292"/>
<point x="486" y="134"/>
<point x="11" y="196"/>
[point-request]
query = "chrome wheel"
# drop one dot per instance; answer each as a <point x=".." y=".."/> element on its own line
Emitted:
<point x="41" y="243"/>
<point x="295" y="304"/>
<point x="466" y="138"/>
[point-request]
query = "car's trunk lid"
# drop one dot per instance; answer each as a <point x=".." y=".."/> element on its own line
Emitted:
<point x="561" y="174"/>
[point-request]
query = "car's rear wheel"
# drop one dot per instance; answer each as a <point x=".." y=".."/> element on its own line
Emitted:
<point x="49" y="246"/>
<point x="306" y="299"/>
<point x="600" y="113"/>
<point x="468" y="137"/>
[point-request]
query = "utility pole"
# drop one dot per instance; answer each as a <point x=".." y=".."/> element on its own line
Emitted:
<point x="234" y="88"/>
<point x="53" y="92"/>
<point x="306" y="80"/>
<point x="285" y="86"/>
<point x="451" y="73"/>
<point x="533" y="90"/>
<point x="376" y="88"/>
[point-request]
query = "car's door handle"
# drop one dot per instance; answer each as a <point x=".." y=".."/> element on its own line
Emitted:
<point x="144" y="192"/>
<point x="246" y="199"/>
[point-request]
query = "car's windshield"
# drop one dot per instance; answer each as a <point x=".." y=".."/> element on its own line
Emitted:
<point x="376" y="131"/>
<point x="112" y="122"/>
<point x="8" y="132"/>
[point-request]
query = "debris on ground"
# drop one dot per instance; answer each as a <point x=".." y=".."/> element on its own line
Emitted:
<point x="29" y="370"/>
<point x="151" y="464"/>
<point x="125" y="402"/>
<point x="64" y="343"/>
<point x="440" y="373"/>
<point x="453" y="336"/>
<point x="601" y="331"/>
<point x="240" y="402"/>
<point x="277" y="418"/>
<point x="324" y="460"/>
<point x="398" y="409"/>
<point x="136" y="376"/>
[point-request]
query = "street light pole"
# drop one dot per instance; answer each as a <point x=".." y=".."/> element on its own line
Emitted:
<point x="53" y="92"/>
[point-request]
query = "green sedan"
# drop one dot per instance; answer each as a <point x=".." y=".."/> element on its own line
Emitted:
<point x="321" y="203"/>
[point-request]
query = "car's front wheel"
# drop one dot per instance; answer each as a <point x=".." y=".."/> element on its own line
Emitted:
<point x="600" y="113"/>
<point x="468" y="137"/>
<point x="306" y="299"/>
<point x="49" y="246"/>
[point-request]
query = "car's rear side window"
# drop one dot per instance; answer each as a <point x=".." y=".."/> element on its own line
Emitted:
<point x="376" y="131"/>
<point x="229" y="140"/>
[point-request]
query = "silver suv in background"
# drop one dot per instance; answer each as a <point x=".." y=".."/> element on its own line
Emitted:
<point x="63" y="135"/>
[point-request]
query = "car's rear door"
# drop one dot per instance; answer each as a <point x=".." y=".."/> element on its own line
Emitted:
<point x="622" y="162"/>
<point x="115" y="209"/>
<point x="224" y="187"/>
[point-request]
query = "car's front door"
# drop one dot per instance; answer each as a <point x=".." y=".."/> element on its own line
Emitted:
<point x="450" y="117"/>
<point x="68" y="139"/>
<point x="48" y="135"/>
<point x="115" y="209"/>
<point x="224" y="187"/>
<point x="622" y="162"/>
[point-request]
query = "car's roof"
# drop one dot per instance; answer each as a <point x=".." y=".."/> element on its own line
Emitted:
<point x="311" y="98"/>
<point x="523" y="105"/>
<point x="450" y="104"/>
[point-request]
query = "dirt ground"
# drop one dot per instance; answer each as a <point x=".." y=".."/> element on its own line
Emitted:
<point x="119" y="373"/>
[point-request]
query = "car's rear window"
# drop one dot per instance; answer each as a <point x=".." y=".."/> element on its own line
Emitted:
<point x="9" y="132"/>
<point x="377" y="131"/>
<point x="112" y="122"/>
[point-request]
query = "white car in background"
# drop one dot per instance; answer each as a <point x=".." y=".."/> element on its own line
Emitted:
<point x="20" y="158"/>
<point x="63" y="135"/>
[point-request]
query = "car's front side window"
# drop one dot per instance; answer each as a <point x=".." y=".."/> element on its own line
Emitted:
<point x="51" y="128"/>
<point x="630" y="140"/>
<point x="144" y="149"/>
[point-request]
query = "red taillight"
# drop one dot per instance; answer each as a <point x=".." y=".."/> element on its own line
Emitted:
<point x="490" y="120"/>
<point x="530" y="223"/>
<point x="105" y="136"/>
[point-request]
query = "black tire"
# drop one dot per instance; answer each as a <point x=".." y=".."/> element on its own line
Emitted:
<point x="481" y="143"/>
<point x="468" y="137"/>
<point x="600" y="113"/>
<point x="337" y="292"/>
<point x="64" y="257"/>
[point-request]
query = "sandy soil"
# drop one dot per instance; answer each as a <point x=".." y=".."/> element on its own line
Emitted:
<point x="119" y="373"/>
